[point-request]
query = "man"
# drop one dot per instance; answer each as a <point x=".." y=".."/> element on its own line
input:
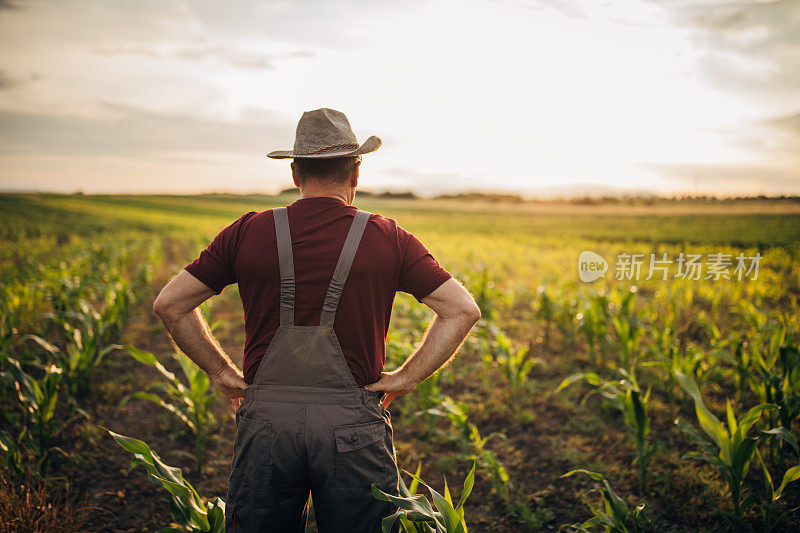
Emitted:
<point x="317" y="280"/>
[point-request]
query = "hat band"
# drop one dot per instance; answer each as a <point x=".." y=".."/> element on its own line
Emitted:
<point x="350" y="146"/>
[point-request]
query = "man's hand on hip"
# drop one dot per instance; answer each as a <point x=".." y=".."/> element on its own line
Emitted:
<point x="394" y="384"/>
<point x="231" y="382"/>
<point x="456" y="313"/>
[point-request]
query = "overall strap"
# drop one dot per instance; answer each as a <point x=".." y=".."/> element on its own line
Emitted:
<point x="286" y="263"/>
<point x="334" y="293"/>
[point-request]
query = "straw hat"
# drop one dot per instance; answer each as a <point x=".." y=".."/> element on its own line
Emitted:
<point x="325" y="133"/>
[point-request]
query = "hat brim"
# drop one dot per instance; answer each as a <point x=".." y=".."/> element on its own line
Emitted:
<point x="370" y="145"/>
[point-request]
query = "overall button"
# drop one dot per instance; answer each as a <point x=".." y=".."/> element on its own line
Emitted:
<point x="354" y="438"/>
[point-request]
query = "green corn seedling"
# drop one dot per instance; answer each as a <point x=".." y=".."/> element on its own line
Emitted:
<point x="771" y="369"/>
<point x="589" y="324"/>
<point x="117" y="299"/>
<point x="730" y="451"/>
<point x="417" y="514"/>
<point x="486" y="296"/>
<point x="567" y="323"/>
<point x="627" y="327"/>
<point x="12" y="454"/>
<point x="600" y="307"/>
<point x="85" y="350"/>
<point x="629" y="335"/>
<point x="38" y="400"/>
<point x="189" y="510"/>
<point x="625" y="396"/>
<point x="667" y="353"/>
<point x="615" y="517"/>
<point x="515" y="364"/>
<point x="482" y="342"/>
<point x="192" y="404"/>
<point x="770" y="504"/>
<point x="38" y="425"/>
<point x="546" y="311"/>
<point x="774" y="376"/>
<point x="469" y="439"/>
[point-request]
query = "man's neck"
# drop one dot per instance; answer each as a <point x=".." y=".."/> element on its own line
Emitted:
<point x="321" y="194"/>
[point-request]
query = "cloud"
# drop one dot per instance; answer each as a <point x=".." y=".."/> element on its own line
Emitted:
<point x="789" y="123"/>
<point x="569" y="8"/>
<point x="204" y="52"/>
<point x="752" y="47"/>
<point x="9" y="82"/>
<point x="128" y="49"/>
<point x="125" y="131"/>
<point x="6" y="81"/>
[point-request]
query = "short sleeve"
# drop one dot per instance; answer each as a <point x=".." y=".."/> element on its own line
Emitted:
<point x="214" y="267"/>
<point x="420" y="273"/>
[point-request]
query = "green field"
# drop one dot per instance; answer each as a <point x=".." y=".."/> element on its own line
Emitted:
<point x="78" y="275"/>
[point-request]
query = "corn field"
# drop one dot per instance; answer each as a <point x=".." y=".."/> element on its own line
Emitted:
<point x="616" y="405"/>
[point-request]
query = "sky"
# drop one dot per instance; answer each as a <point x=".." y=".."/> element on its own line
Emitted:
<point x="539" y="97"/>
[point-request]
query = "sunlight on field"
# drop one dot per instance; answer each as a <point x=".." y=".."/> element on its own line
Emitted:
<point x="78" y="275"/>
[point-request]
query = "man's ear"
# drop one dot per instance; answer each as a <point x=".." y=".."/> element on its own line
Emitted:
<point x="294" y="175"/>
<point x="354" y="178"/>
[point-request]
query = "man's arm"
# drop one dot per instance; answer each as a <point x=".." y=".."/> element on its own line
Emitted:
<point x="177" y="306"/>
<point x="456" y="313"/>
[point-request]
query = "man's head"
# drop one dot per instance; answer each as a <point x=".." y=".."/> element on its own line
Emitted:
<point x="327" y="176"/>
<point x="326" y="154"/>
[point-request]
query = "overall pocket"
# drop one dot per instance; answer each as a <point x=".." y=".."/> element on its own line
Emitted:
<point x="362" y="456"/>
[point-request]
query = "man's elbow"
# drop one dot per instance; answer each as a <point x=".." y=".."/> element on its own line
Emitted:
<point x="162" y="307"/>
<point x="471" y="313"/>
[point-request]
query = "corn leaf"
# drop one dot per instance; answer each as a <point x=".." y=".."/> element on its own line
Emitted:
<point x="791" y="475"/>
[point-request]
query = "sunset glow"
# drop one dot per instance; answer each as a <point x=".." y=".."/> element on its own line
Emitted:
<point x="542" y="97"/>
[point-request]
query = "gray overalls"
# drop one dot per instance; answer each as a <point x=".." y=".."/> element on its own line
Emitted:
<point x="305" y="424"/>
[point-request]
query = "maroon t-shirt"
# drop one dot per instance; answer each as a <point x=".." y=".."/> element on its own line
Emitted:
<point x="389" y="259"/>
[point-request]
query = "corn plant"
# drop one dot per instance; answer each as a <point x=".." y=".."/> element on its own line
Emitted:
<point x="740" y="360"/>
<point x="32" y="432"/>
<point x="468" y="437"/>
<point x="730" y="451"/>
<point x="625" y="396"/>
<point x="486" y="296"/>
<point x="593" y="327"/>
<point x="11" y="453"/>
<point x="189" y="510"/>
<point x="192" y="404"/>
<point x="629" y="335"/>
<point x="85" y="349"/>
<point x="774" y="377"/>
<point x="667" y="355"/>
<point x="628" y="329"/>
<point x="417" y="514"/>
<point x="615" y="516"/>
<point x="770" y="504"/>
<point x="117" y="298"/>
<point x="483" y="342"/>
<point x="546" y="311"/>
<point x="427" y="394"/>
<point x="567" y="323"/>
<point x="38" y="399"/>
<point x="516" y="365"/>
<point x="470" y="440"/>
<point x="690" y="360"/>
